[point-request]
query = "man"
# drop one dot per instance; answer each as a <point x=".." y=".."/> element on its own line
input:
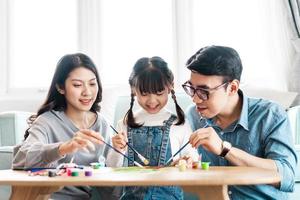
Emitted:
<point x="233" y="129"/>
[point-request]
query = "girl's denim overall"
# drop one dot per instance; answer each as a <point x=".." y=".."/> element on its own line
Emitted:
<point x="153" y="143"/>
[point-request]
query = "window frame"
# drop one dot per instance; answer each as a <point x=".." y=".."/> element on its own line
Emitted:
<point x="4" y="38"/>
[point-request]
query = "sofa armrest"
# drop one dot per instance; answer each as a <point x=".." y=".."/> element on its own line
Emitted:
<point x="6" y="156"/>
<point x="12" y="127"/>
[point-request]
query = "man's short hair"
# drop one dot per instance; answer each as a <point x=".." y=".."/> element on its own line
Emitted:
<point x="217" y="60"/>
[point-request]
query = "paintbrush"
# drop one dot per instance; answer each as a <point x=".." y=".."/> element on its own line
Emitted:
<point x="143" y="159"/>
<point x="136" y="163"/>
<point x="172" y="157"/>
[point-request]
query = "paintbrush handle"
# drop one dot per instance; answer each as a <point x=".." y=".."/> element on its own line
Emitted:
<point x="131" y="147"/>
<point x="178" y="152"/>
<point x="135" y="151"/>
<point x="183" y="146"/>
<point x="181" y="149"/>
<point x="114" y="129"/>
<point x="126" y="142"/>
<point x="136" y="163"/>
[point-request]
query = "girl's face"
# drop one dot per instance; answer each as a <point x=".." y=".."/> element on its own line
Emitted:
<point x="80" y="90"/>
<point x="153" y="103"/>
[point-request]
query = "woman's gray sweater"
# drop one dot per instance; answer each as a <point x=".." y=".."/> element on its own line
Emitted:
<point x="40" y="149"/>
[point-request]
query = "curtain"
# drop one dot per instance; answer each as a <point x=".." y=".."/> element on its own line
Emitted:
<point x="294" y="17"/>
<point x="258" y="30"/>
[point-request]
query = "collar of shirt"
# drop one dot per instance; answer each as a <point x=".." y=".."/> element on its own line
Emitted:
<point x="157" y="119"/>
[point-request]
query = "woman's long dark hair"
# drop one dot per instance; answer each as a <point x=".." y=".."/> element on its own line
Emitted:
<point x="57" y="101"/>
<point x="151" y="75"/>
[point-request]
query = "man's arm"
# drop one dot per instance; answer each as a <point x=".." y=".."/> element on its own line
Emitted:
<point x="279" y="153"/>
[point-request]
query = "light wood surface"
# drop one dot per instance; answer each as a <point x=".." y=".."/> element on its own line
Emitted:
<point x="210" y="184"/>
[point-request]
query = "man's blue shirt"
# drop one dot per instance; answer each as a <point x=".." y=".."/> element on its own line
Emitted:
<point x="263" y="130"/>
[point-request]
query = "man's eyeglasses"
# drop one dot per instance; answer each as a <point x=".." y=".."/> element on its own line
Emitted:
<point x="202" y="93"/>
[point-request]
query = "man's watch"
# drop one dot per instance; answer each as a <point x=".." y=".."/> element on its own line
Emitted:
<point x="226" y="146"/>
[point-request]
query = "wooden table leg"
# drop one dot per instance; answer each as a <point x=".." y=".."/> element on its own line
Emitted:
<point x="216" y="192"/>
<point x="32" y="193"/>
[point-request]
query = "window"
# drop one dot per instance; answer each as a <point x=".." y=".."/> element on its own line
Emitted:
<point x="131" y="30"/>
<point x="40" y="33"/>
<point x="115" y="33"/>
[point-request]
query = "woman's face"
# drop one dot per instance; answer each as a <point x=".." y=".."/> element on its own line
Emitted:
<point x="81" y="89"/>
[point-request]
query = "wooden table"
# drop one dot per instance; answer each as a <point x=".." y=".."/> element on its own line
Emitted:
<point x="209" y="184"/>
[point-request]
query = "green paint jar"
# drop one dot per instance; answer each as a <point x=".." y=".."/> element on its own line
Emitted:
<point x="205" y="165"/>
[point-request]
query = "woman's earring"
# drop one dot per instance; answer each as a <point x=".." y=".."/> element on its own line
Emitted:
<point x="60" y="91"/>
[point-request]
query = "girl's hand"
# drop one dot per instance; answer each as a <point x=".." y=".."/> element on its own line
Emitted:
<point x="208" y="139"/>
<point x="188" y="159"/>
<point x="119" y="141"/>
<point x="84" y="139"/>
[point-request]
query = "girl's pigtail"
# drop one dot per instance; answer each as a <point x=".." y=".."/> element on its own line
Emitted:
<point x="129" y="118"/>
<point x="179" y="111"/>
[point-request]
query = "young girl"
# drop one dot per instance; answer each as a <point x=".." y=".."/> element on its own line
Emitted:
<point x="153" y="131"/>
<point x="68" y="126"/>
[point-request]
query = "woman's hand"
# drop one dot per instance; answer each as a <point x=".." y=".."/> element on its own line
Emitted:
<point x="84" y="139"/>
<point x="119" y="141"/>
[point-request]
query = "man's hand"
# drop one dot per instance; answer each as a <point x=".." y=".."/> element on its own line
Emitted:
<point x="208" y="139"/>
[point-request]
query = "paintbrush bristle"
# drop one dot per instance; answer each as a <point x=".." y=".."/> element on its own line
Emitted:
<point x="146" y="162"/>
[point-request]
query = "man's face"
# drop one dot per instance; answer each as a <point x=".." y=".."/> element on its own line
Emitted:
<point x="216" y="90"/>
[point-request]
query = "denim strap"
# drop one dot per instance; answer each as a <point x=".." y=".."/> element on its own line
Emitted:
<point x="165" y="139"/>
<point x="130" y="152"/>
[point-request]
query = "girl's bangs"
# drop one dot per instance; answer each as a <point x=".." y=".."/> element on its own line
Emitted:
<point x="151" y="82"/>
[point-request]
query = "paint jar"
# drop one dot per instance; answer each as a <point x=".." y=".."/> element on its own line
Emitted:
<point x="182" y="165"/>
<point x="88" y="172"/>
<point x="196" y="165"/>
<point x="95" y="165"/>
<point x="75" y="172"/>
<point x="205" y="165"/>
